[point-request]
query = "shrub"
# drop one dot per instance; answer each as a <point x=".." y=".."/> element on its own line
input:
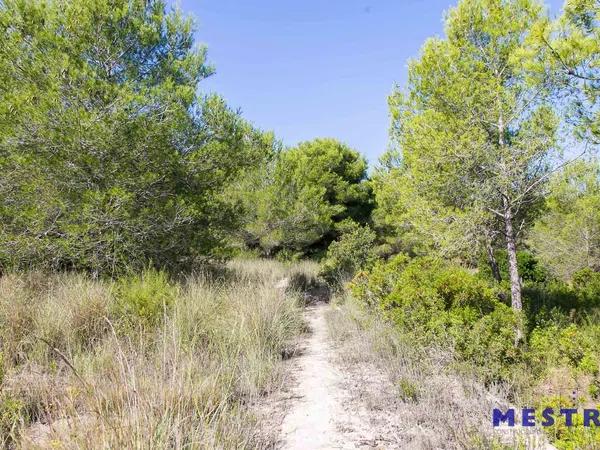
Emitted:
<point x="549" y="302"/>
<point x="11" y="415"/>
<point x="564" y="437"/>
<point x="530" y="269"/>
<point x="586" y="283"/>
<point x="454" y="404"/>
<point x="350" y="253"/>
<point x="572" y="346"/>
<point x="433" y="296"/>
<point x="145" y="298"/>
<point x="287" y="255"/>
<point x="555" y="301"/>
<point x="490" y="344"/>
<point x="377" y="283"/>
<point x="437" y="302"/>
<point x="407" y="389"/>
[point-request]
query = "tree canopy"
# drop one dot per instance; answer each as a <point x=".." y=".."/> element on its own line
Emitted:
<point x="476" y="136"/>
<point x="305" y="191"/>
<point x="110" y="158"/>
<point x="574" y="44"/>
<point x="567" y="236"/>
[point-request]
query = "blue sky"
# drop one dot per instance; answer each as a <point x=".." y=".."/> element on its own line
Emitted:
<point x="315" y="68"/>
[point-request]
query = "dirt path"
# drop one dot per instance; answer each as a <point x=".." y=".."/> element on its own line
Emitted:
<point x="327" y="408"/>
<point x="310" y="422"/>
<point x="336" y="396"/>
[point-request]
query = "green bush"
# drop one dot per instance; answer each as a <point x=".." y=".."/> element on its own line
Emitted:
<point x="530" y="269"/>
<point x="407" y="389"/>
<point x="564" y="437"/>
<point x="436" y="302"/>
<point x="586" y="283"/>
<point x="350" y="253"/>
<point x="433" y="296"/>
<point x="551" y="302"/>
<point x="556" y="302"/>
<point x="11" y="415"/>
<point x="286" y="255"/>
<point x="571" y="346"/>
<point x="374" y="285"/>
<point x="490" y="344"/>
<point x="145" y="298"/>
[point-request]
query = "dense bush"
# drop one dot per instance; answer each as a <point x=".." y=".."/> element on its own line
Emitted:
<point x="575" y="436"/>
<point x="435" y="301"/>
<point x="586" y="284"/>
<point x="558" y="302"/>
<point x="378" y="282"/>
<point x="352" y="251"/>
<point x="570" y="346"/>
<point x="298" y="199"/>
<point x="490" y="346"/>
<point x="530" y="268"/>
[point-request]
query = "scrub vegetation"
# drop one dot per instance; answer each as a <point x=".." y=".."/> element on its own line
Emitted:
<point x="145" y="361"/>
<point x="156" y="248"/>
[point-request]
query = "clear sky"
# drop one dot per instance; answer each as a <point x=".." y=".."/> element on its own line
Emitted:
<point x="315" y="68"/>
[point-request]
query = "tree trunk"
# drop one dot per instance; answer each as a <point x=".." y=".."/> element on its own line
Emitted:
<point x="511" y="246"/>
<point x="513" y="268"/>
<point x="493" y="263"/>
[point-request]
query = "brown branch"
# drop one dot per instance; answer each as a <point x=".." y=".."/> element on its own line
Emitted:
<point x="568" y="69"/>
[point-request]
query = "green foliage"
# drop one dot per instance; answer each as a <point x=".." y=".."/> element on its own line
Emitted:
<point x="575" y="42"/>
<point x="471" y="158"/>
<point x="567" y="237"/>
<point x="351" y="252"/>
<point x="571" y="346"/>
<point x="377" y="283"/>
<point x="428" y="286"/>
<point x="303" y="193"/>
<point x="437" y="302"/>
<point x="407" y="389"/>
<point x="555" y="301"/>
<point x="109" y="157"/>
<point x="530" y="269"/>
<point x="145" y="298"/>
<point x="586" y="283"/>
<point x="571" y="437"/>
<point x="11" y="416"/>
<point x="490" y="344"/>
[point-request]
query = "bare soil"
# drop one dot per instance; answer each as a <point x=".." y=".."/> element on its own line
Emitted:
<point x="326" y="405"/>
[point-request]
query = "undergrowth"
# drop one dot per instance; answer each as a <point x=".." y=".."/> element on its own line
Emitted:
<point x="145" y="361"/>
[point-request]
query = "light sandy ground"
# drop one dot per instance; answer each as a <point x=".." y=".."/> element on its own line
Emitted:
<point x="331" y="407"/>
<point x="328" y="401"/>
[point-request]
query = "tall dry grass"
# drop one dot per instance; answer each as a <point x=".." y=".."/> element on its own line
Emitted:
<point x="101" y="364"/>
<point x="444" y="404"/>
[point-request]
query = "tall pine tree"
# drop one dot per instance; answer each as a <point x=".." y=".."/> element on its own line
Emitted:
<point x="476" y="134"/>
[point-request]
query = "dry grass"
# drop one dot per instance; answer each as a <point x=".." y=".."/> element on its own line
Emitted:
<point x="79" y="370"/>
<point x="443" y="405"/>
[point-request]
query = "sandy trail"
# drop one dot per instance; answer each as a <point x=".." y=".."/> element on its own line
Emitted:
<point x="327" y="408"/>
<point x="333" y="400"/>
<point x="310" y="422"/>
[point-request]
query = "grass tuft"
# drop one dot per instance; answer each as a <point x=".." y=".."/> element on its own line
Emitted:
<point x="145" y="361"/>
